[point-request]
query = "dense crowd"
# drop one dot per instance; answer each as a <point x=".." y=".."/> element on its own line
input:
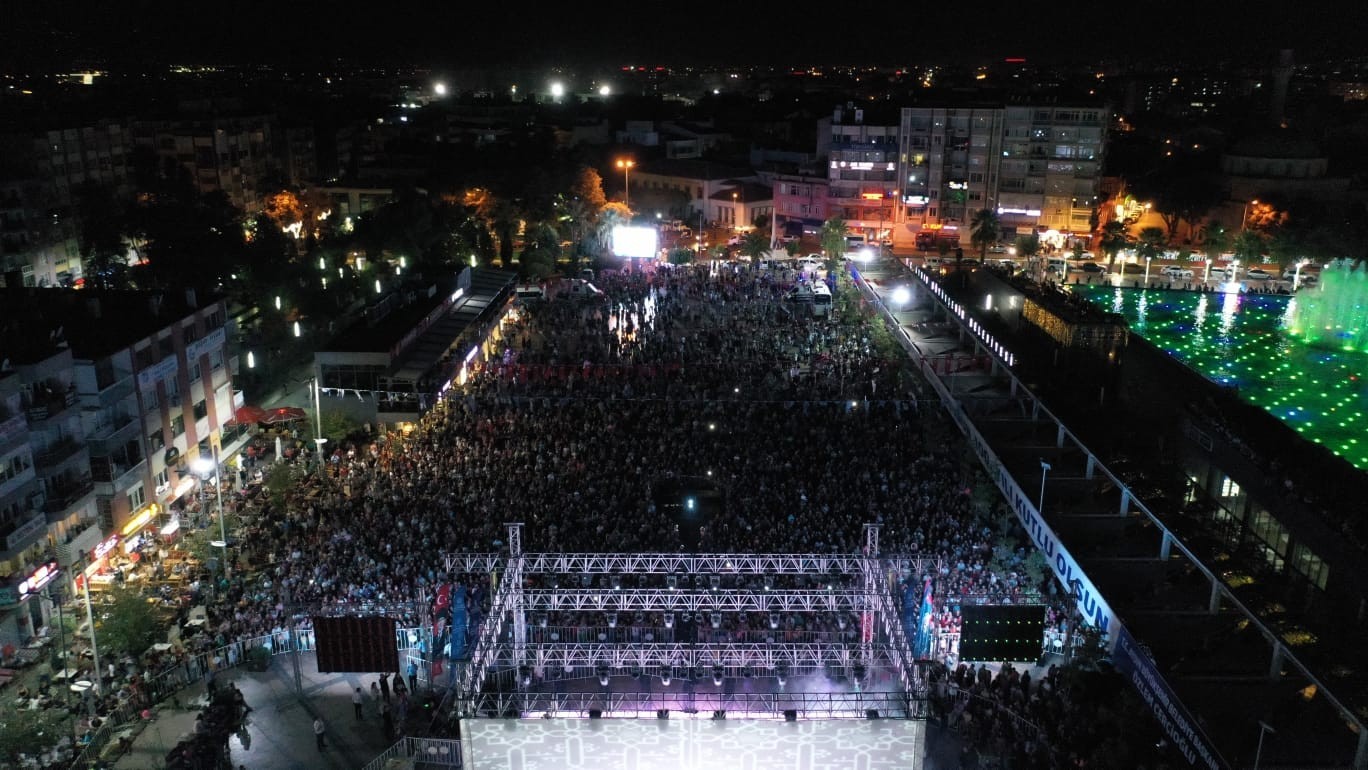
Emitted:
<point x="1068" y="718"/>
<point x="586" y="420"/>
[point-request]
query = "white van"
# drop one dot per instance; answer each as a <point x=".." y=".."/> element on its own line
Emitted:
<point x="530" y="293"/>
<point x="1057" y="265"/>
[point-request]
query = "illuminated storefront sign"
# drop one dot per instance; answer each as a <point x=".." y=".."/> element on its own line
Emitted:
<point x="139" y="521"/>
<point x="102" y="550"/>
<point x="37" y="579"/>
<point x="1027" y="212"/>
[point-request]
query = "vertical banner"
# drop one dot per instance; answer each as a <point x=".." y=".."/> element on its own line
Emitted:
<point x="441" y="604"/>
<point x="458" y="623"/>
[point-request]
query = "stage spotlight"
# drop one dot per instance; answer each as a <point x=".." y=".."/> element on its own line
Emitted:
<point x="665" y="678"/>
<point x="669" y="620"/>
<point x="716" y="619"/>
<point x="525" y="674"/>
<point x="859" y="672"/>
<point x="672" y="582"/>
<point x="612" y="620"/>
<point x="774" y="620"/>
<point x="636" y="673"/>
<point x="717" y="676"/>
<point x="617" y="582"/>
<point x="745" y="672"/>
<point x="602" y="672"/>
<point x="715" y="581"/>
<point x="840" y="621"/>
<point x="769" y="582"/>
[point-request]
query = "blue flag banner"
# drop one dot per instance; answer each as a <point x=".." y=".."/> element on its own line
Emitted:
<point x="458" y="623"/>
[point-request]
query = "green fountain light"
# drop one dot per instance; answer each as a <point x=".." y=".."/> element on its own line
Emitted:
<point x="1310" y="381"/>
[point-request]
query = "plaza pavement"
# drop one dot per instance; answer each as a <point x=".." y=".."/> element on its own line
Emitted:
<point x="279" y="727"/>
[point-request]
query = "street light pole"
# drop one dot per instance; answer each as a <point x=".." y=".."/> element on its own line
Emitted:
<point x="1244" y="214"/>
<point x="90" y="619"/>
<point x="218" y="490"/>
<point x="1040" y="503"/>
<point x="626" y="166"/>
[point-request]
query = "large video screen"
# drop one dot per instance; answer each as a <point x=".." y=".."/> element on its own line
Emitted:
<point x="635" y="242"/>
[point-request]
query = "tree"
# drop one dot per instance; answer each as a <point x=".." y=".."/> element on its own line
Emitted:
<point x="22" y="732"/>
<point x="1152" y="242"/>
<point x="984" y="230"/>
<point x="541" y="251"/>
<point x="1215" y="239"/>
<point x="1028" y="246"/>
<point x="1249" y="246"/>
<point x="279" y="481"/>
<point x="793" y="248"/>
<point x="129" y="625"/>
<point x="833" y="238"/>
<point x="612" y="215"/>
<point x="679" y="256"/>
<point x="1179" y="196"/>
<point x="755" y="245"/>
<point x="1114" y="239"/>
<point x="104" y="254"/>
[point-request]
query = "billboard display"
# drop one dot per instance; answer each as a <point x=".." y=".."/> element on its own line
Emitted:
<point x="635" y="242"/>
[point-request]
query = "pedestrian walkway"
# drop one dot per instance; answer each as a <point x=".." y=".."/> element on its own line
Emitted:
<point x="279" y="729"/>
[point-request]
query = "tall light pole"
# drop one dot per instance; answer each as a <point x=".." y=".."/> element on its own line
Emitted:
<point x="204" y="466"/>
<point x="1040" y="502"/>
<point x="90" y="619"/>
<point x="626" y="165"/>
<point x="1244" y="214"/>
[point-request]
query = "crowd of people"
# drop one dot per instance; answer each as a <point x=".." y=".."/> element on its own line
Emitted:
<point x="586" y="421"/>
<point x="1068" y="718"/>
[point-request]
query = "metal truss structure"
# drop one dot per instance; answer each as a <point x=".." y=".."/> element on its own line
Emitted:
<point x="840" y="705"/>
<point x="865" y="589"/>
<point x="680" y="564"/>
<point x="696" y="601"/>
<point x="732" y="658"/>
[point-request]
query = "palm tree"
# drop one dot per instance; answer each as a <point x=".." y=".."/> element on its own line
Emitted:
<point x="1028" y="246"/>
<point x="984" y="231"/>
<point x="1216" y="239"/>
<point x="833" y="237"/>
<point x="1152" y="242"/>
<point x="612" y="215"/>
<point x="755" y="245"/>
<point x="1114" y="239"/>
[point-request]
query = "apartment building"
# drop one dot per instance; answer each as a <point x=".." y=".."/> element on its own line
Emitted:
<point x="154" y="391"/>
<point x="220" y="148"/>
<point x="800" y="202"/>
<point x="41" y="173"/>
<point x="1037" y="165"/>
<point x="863" y="170"/>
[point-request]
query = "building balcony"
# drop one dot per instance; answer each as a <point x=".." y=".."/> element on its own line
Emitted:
<point x="118" y="387"/>
<point x="118" y="429"/>
<point x="45" y="408"/>
<point x="22" y="533"/>
<point x="64" y="499"/>
<point x="79" y="540"/>
<point x="112" y="477"/>
<point x="13" y="431"/>
<point x="58" y="453"/>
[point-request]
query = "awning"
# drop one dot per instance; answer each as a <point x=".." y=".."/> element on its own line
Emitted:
<point x="248" y="415"/>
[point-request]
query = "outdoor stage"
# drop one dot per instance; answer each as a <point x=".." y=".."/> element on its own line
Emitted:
<point x="693" y="742"/>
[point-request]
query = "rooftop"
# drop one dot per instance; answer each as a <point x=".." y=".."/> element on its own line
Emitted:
<point x="94" y="323"/>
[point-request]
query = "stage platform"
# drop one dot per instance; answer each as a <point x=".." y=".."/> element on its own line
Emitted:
<point x="693" y="742"/>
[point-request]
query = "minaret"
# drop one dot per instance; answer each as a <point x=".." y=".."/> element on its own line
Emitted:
<point x="1282" y="75"/>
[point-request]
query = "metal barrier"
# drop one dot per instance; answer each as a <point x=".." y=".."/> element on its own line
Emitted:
<point x="429" y="752"/>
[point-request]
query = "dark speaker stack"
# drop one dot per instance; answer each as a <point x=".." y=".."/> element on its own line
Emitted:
<point x="356" y="645"/>
<point x="1010" y="633"/>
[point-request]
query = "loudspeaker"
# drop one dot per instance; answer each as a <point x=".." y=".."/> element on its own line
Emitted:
<point x="595" y="714"/>
<point x="662" y="713"/>
<point x="871" y="713"/>
<point x="790" y="715"/>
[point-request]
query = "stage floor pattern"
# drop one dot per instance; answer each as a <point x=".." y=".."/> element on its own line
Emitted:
<point x="694" y="744"/>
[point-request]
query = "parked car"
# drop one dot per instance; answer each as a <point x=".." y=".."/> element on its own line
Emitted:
<point x="1093" y="268"/>
<point x="1259" y="274"/>
<point x="1175" y="272"/>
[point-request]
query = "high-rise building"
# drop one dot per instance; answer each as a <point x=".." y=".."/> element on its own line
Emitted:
<point x="1036" y="164"/>
<point x="222" y="149"/>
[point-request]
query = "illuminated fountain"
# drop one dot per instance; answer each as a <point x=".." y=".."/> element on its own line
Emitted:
<point x="1335" y="314"/>
<point x="1246" y="341"/>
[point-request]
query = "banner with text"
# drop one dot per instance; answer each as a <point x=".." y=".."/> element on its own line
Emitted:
<point x="1177" y="723"/>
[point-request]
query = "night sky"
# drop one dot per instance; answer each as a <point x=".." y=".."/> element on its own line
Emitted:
<point x="609" y="32"/>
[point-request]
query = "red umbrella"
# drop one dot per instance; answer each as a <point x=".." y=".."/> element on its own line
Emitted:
<point x="284" y="414"/>
<point x="247" y="415"/>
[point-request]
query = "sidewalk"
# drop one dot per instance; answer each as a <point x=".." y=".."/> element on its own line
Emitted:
<point x="280" y="728"/>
